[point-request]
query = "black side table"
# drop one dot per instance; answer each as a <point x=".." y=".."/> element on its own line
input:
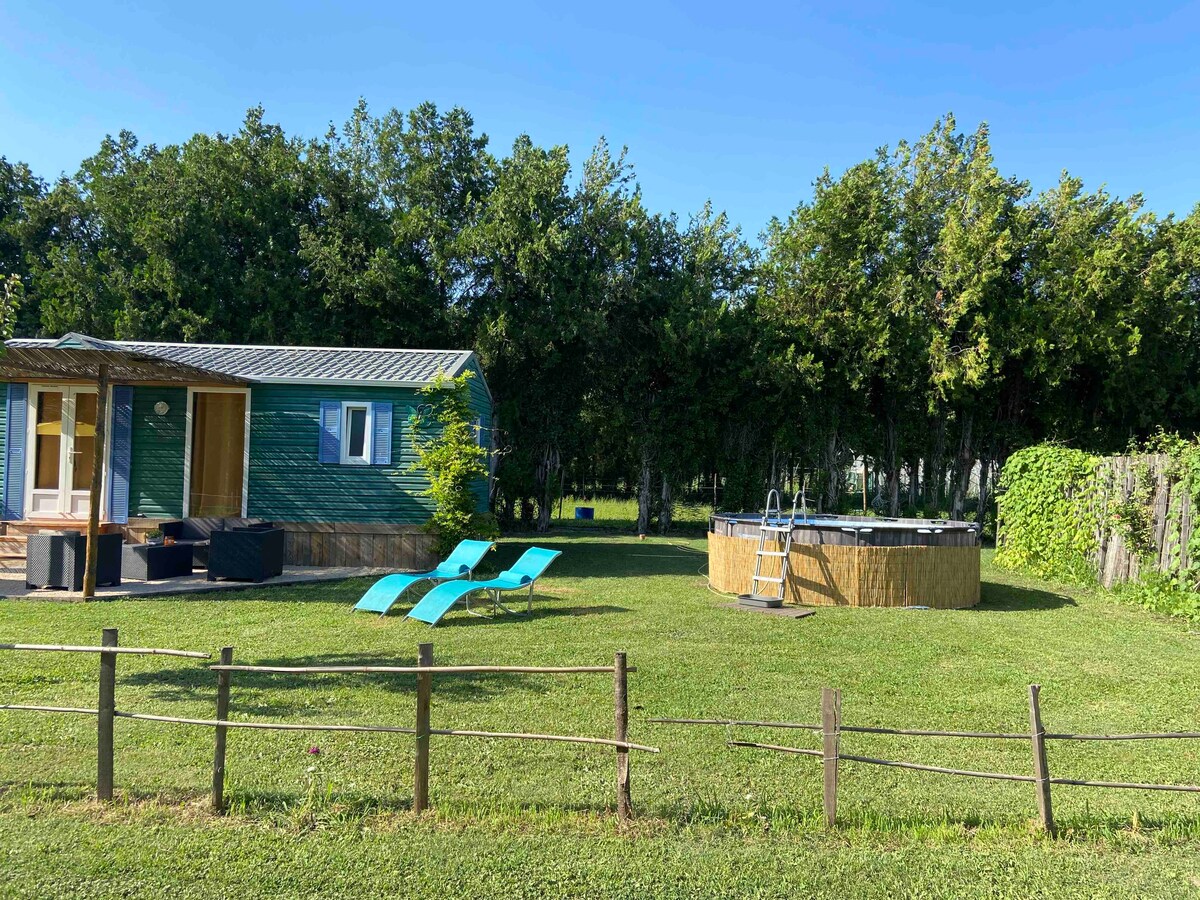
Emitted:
<point x="150" y="562"/>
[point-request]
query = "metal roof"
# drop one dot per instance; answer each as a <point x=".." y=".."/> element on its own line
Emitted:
<point x="279" y="364"/>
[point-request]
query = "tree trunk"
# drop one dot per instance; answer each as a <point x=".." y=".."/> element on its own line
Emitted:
<point x="666" y="511"/>
<point x="891" y="458"/>
<point x="504" y="511"/>
<point x="965" y="461"/>
<point x="547" y="476"/>
<point x="643" y="520"/>
<point x="997" y="468"/>
<point x="914" y="484"/>
<point x="832" y="476"/>
<point x="985" y="487"/>
<point x="935" y="470"/>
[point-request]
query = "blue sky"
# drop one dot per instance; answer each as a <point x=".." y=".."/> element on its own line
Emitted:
<point x="743" y="104"/>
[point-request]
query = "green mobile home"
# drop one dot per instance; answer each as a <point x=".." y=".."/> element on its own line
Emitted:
<point x="315" y="439"/>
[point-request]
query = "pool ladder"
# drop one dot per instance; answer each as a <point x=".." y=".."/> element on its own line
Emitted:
<point x="772" y="527"/>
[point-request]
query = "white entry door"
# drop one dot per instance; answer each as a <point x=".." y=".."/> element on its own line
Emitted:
<point x="62" y="442"/>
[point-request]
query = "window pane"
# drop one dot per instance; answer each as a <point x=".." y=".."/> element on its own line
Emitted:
<point x="85" y="442"/>
<point x="357" y="432"/>
<point x="48" y="441"/>
<point x="218" y="448"/>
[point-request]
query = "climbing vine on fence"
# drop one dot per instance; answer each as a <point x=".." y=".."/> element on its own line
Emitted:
<point x="1048" y="513"/>
<point x="1056" y="502"/>
<point x="1175" y="588"/>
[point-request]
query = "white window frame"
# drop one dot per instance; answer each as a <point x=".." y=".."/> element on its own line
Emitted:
<point x="64" y="490"/>
<point x="344" y="456"/>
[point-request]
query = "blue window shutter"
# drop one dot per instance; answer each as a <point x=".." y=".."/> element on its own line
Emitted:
<point x="381" y="446"/>
<point x="120" y="454"/>
<point x="14" y="452"/>
<point x="330" y="450"/>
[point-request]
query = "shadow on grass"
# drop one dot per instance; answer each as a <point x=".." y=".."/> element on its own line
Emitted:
<point x="340" y="592"/>
<point x="191" y="684"/>
<point x="520" y="616"/>
<point x="997" y="597"/>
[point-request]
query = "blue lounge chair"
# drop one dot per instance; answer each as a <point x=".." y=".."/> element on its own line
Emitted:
<point x="524" y="573"/>
<point x="387" y="590"/>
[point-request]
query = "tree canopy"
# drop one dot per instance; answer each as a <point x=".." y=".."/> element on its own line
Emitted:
<point x="921" y="312"/>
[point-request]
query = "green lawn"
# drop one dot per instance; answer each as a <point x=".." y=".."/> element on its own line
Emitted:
<point x="523" y="819"/>
<point x="620" y="514"/>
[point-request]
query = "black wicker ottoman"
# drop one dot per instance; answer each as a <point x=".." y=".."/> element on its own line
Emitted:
<point x="57" y="560"/>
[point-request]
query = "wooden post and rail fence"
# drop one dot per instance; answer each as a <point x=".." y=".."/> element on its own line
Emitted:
<point x="831" y="728"/>
<point x="106" y="711"/>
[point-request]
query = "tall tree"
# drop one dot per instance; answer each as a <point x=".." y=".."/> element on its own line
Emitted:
<point x="827" y="277"/>
<point x="20" y="191"/>
<point x="975" y="259"/>
<point x="526" y="319"/>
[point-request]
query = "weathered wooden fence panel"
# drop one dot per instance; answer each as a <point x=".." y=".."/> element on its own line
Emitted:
<point x="1168" y="504"/>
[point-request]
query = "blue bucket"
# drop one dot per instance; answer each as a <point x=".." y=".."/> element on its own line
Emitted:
<point x="585" y="512"/>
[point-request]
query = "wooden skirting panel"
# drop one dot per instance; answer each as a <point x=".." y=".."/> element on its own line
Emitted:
<point x="338" y="543"/>
<point x="353" y="544"/>
<point x="832" y="575"/>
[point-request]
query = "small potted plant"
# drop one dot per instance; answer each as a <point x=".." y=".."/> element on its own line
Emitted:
<point x="154" y="536"/>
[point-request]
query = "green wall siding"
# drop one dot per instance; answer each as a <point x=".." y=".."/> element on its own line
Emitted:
<point x="156" y="473"/>
<point x="287" y="482"/>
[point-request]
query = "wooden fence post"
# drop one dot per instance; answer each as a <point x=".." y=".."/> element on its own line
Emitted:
<point x="1041" y="771"/>
<point x="621" y="707"/>
<point x="218" y="779"/>
<point x="106" y="709"/>
<point x="424" y="692"/>
<point x="831" y="726"/>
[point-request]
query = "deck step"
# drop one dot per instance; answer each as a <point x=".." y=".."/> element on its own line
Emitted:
<point x="760" y="600"/>
<point x="12" y="547"/>
<point x="771" y="553"/>
<point x="768" y="578"/>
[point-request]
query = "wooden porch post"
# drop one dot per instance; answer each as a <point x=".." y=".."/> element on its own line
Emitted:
<point x="98" y="456"/>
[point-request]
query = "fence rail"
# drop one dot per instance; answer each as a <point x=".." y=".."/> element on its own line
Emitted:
<point x="420" y="670"/>
<point x="830" y="754"/>
<point x="135" y="651"/>
<point x="107" y="713"/>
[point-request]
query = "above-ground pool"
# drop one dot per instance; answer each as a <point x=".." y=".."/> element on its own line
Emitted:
<point x="853" y="560"/>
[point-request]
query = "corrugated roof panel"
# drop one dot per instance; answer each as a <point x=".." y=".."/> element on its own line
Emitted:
<point x="323" y="364"/>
